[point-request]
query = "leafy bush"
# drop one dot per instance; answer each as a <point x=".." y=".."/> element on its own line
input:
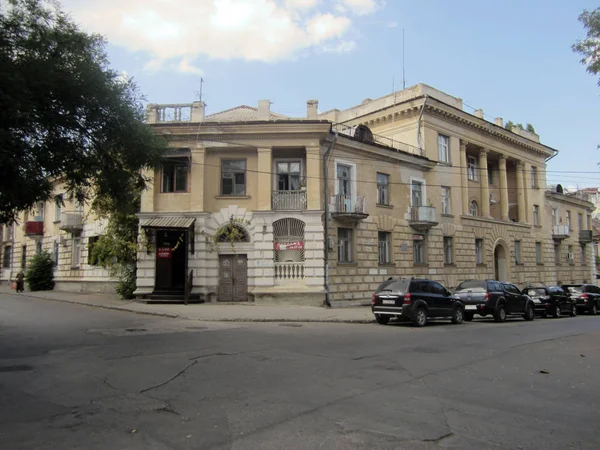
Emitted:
<point x="126" y="285"/>
<point x="40" y="273"/>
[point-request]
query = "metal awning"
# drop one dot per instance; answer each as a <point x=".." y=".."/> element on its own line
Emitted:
<point x="168" y="222"/>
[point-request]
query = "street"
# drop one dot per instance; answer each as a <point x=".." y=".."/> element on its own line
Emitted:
<point x="75" y="377"/>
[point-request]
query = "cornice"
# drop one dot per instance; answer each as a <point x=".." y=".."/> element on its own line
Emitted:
<point x="567" y="199"/>
<point x="242" y="137"/>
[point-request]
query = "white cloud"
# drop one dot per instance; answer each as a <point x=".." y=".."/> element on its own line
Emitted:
<point x="341" y="47"/>
<point x="174" y="33"/>
<point x="360" y="7"/>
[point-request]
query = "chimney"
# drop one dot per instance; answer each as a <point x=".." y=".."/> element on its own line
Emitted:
<point x="479" y="113"/>
<point x="499" y="121"/>
<point x="198" y="111"/>
<point x="264" y="110"/>
<point x="312" y="109"/>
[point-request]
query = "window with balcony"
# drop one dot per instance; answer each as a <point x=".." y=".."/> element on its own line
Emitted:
<point x="383" y="189"/>
<point x="385" y="247"/>
<point x="569" y="220"/>
<point x="580" y="221"/>
<point x="538" y="253"/>
<point x="479" y="251"/>
<point x="554" y="216"/>
<point x="58" y="202"/>
<point x="518" y="252"/>
<point x="443" y="148"/>
<point x="448" y="250"/>
<point x="446" y="204"/>
<point x="536" y="215"/>
<point x="472" y="168"/>
<point x="416" y="193"/>
<point x="233" y="177"/>
<point x="344" y="245"/>
<point x="288" y="175"/>
<point x="474" y="208"/>
<point x="534" y="177"/>
<point x="75" y="252"/>
<point x="6" y="257"/>
<point x="419" y="249"/>
<point x="39" y="211"/>
<point x="344" y="179"/>
<point x="175" y="175"/>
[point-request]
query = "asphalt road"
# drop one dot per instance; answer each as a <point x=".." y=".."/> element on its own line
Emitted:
<point x="73" y="377"/>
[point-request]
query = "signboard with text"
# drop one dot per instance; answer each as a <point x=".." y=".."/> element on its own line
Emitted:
<point x="298" y="245"/>
<point x="163" y="253"/>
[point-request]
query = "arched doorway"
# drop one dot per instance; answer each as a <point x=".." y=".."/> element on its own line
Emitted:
<point x="500" y="263"/>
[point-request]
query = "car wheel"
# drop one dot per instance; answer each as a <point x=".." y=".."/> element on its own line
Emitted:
<point x="594" y="310"/>
<point x="420" y="317"/>
<point x="457" y="315"/>
<point x="529" y="313"/>
<point x="556" y="312"/>
<point x="500" y="314"/>
<point x="381" y="319"/>
<point x="573" y="312"/>
<point x="468" y="316"/>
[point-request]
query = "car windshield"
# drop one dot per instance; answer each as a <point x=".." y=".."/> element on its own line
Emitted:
<point x="472" y="285"/>
<point x="395" y="285"/>
<point x="575" y="289"/>
<point x="535" y="291"/>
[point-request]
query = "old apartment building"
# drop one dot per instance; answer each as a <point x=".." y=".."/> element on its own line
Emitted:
<point x="328" y="205"/>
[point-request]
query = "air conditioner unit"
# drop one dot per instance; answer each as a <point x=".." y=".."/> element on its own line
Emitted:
<point x="492" y="199"/>
<point x="570" y="256"/>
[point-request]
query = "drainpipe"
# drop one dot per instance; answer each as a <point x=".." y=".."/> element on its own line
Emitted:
<point x="419" y="138"/>
<point x="333" y="136"/>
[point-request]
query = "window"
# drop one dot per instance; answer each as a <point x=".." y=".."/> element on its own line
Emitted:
<point x="91" y="260"/>
<point x="490" y="174"/>
<point x="534" y="181"/>
<point x="384" y="239"/>
<point x="446" y="206"/>
<point x="58" y="207"/>
<point x="23" y="257"/>
<point x="344" y="245"/>
<point x="383" y="189"/>
<point x="56" y="253"/>
<point x="472" y="168"/>
<point x="6" y="257"/>
<point x="175" y="175"/>
<point x="474" y="208"/>
<point x="557" y="254"/>
<point x="344" y="180"/>
<point x="518" y="252"/>
<point x="448" y="250"/>
<point x="419" y="249"/>
<point x="416" y="189"/>
<point x="570" y="255"/>
<point x="589" y="222"/>
<point x="536" y="215"/>
<point x="288" y="176"/>
<point x="569" y="220"/>
<point x="580" y="221"/>
<point x="554" y="216"/>
<point x="76" y="252"/>
<point x="39" y="211"/>
<point x="443" y="148"/>
<point x="583" y="260"/>
<point x="479" y="251"/>
<point x="233" y="177"/>
<point x="538" y="253"/>
<point x="38" y="247"/>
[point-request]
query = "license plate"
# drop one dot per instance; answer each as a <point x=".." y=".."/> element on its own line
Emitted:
<point x="470" y="306"/>
<point x="388" y="302"/>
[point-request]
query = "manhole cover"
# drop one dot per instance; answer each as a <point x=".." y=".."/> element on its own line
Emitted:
<point x="135" y="330"/>
<point x="293" y="325"/>
<point x="21" y="368"/>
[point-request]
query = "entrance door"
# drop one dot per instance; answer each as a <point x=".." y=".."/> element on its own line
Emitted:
<point x="171" y="260"/>
<point x="501" y="272"/>
<point x="233" y="278"/>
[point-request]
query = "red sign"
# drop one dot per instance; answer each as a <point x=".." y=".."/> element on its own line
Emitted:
<point x="299" y="245"/>
<point x="163" y="253"/>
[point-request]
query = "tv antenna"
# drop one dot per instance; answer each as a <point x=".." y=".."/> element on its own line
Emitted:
<point x="403" y="74"/>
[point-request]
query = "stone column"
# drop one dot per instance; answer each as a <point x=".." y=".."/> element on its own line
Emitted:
<point x="464" y="178"/>
<point x="526" y="186"/>
<point x="147" y="198"/>
<point x="520" y="192"/>
<point x="265" y="179"/>
<point x="313" y="175"/>
<point x="503" y="188"/>
<point x="485" y="184"/>
<point x="197" y="179"/>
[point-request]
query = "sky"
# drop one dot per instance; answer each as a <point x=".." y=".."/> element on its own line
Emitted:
<point x="513" y="58"/>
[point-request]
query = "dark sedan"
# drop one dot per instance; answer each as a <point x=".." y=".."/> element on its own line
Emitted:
<point x="551" y="301"/>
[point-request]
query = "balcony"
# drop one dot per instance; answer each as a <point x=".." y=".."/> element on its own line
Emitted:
<point x="422" y="217"/>
<point x="289" y="272"/>
<point x="288" y="201"/>
<point x="34" y="228"/>
<point x="585" y="236"/>
<point x="560" y="232"/>
<point x="348" y="209"/>
<point x="71" y="222"/>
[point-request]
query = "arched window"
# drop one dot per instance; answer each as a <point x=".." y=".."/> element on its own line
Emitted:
<point x="474" y="209"/>
<point x="232" y="233"/>
<point x="288" y="238"/>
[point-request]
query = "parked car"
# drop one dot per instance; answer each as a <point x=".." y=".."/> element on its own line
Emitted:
<point x="500" y="299"/>
<point x="551" y="301"/>
<point x="586" y="296"/>
<point x="415" y="299"/>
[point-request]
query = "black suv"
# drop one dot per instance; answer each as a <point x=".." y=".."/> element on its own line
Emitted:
<point x="415" y="300"/>
<point x="500" y="299"/>
<point x="551" y="301"/>
<point x="586" y="296"/>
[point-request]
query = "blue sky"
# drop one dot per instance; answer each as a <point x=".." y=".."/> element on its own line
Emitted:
<point x="513" y="59"/>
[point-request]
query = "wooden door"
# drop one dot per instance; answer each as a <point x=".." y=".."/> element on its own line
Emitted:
<point x="233" y="278"/>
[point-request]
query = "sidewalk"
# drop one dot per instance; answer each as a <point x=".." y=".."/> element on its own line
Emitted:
<point x="209" y="312"/>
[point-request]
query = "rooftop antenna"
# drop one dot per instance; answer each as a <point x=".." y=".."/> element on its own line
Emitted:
<point x="200" y="93"/>
<point x="403" y="75"/>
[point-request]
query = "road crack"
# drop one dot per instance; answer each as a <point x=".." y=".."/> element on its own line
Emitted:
<point x="181" y="372"/>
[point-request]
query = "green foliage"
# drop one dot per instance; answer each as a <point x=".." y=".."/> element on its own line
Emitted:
<point x="231" y="232"/>
<point x="530" y="128"/>
<point x="40" y="273"/>
<point x="65" y="114"/>
<point x="589" y="47"/>
<point x="509" y="125"/>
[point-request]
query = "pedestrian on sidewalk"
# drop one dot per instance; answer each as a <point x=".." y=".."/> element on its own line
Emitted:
<point x="20" y="281"/>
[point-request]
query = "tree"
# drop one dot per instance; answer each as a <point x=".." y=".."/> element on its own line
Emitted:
<point x="590" y="46"/>
<point x="64" y="114"/>
<point x="40" y="272"/>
